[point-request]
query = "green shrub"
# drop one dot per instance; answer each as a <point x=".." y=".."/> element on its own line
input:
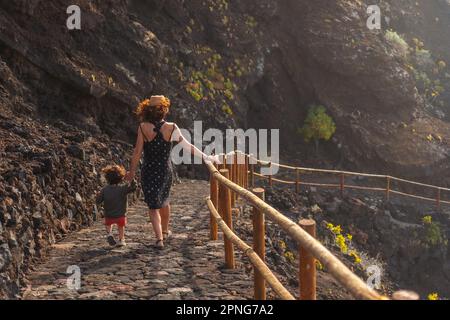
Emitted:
<point x="441" y="65"/>
<point x="227" y="109"/>
<point x="397" y="42"/>
<point x="251" y="22"/>
<point x="424" y="57"/>
<point x="422" y="79"/>
<point x="318" y="126"/>
<point x="196" y="95"/>
<point x="433" y="233"/>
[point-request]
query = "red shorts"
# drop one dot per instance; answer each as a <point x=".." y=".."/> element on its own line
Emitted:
<point x="121" y="222"/>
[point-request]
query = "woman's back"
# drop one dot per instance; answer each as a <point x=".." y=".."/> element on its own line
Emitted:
<point x="166" y="129"/>
<point x="157" y="143"/>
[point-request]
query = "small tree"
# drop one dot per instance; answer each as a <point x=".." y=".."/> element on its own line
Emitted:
<point x="318" y="126"/>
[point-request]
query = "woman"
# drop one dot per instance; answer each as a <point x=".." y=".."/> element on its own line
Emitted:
<point x="155" y="137"/>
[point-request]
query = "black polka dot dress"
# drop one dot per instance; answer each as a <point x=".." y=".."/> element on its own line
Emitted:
<point x="156" y="171"/>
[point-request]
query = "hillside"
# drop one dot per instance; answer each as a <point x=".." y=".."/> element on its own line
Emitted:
<point x="230" y="63"/>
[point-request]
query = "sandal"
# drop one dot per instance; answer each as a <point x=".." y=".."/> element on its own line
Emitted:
<point x="167" y="235"/>
<point x="160" y="244"/>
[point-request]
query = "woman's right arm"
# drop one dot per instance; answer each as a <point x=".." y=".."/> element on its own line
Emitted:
<point x="136" y="156"/>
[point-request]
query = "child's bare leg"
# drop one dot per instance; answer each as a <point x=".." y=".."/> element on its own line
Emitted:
<point x="165" y="218"/>
<point x="156" y="222"/>
<point x="109" y="229"/>
<point x="121" y="233"/>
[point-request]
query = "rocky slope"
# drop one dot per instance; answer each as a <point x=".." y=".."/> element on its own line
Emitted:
<point x="49" y="177"/>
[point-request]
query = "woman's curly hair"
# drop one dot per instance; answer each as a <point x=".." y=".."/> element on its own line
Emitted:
<point x="114" y="174"/>
<point x="153" y="110"/>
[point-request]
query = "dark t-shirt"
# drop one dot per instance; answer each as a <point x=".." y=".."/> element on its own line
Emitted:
<point x="115" y="199"/>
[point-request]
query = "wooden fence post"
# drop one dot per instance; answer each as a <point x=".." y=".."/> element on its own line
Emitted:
<point x="342" y="184"/>
<point x="297" y="180"/>
<point x="259" y="246"/>
<point x="241" y="174"/>
<point x="235" y="175"/>
<point x="243" y="160"/>
<point x="230" y="177"/>
<point x="438" y="199"/>
<point x="270" y="174"/>
<point x="225" y="212"/>
<point x="224" y="162"/>
<point x="214" y="196"/>
<point x="239" y="169"/>
<point x="307" y="272"/>
<point x="252" y="171"/>
<point x="388" y="188"/>
<point x="246" y="171"/>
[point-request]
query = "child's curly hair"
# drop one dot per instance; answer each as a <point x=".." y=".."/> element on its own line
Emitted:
<point x="153" y="110"/>
<point x="114" y="174"/>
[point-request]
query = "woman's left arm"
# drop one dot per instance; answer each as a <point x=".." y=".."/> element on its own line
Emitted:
<point x="178" y="137"/>
<point x="136" y="156"/>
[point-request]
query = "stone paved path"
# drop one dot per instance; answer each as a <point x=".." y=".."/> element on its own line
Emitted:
<point x="190" y="267"/>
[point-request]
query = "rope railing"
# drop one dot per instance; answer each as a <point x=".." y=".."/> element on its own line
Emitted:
<point x="342" y="185"/>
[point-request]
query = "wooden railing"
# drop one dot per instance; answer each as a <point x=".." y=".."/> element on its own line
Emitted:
<point x="260" y="267"/>
<point x="231" y="183"/>
<point x="387" y="180"/>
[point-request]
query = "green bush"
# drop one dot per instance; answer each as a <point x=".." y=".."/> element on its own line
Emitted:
<point x="433" y="233"/>
<point x="397" y="42"/>
<point x="424" y="58"/>
<point x="318" y="126"/>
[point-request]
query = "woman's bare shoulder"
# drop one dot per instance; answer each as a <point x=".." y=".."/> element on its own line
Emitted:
<point x="171" y="125"/>
<point x="146" y="128"/>
<point x="145" y="125"/>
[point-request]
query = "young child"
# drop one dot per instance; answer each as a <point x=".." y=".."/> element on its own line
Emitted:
<point x="114" y="198"/>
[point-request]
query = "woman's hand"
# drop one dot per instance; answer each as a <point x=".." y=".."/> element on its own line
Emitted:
<point x="215" y="159"/>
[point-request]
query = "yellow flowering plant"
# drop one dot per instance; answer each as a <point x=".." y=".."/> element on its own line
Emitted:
<point x="433" y="296"/>
<point x="427" y="220"/>
<point x="319" y="265"/>
<point x="343" y="242"/>
<point x="289" y="256"/>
